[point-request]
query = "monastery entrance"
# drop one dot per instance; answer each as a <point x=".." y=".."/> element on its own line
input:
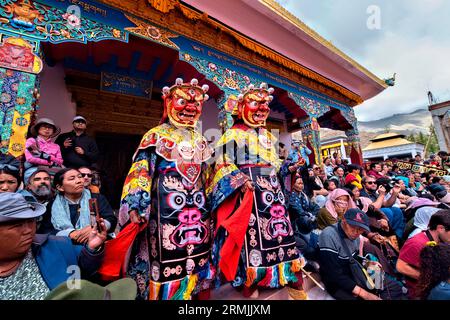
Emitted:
<point x="116" y="86"/>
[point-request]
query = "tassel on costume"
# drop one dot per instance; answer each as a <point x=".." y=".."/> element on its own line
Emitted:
<point x="193" y="280"/>
<point x="179" y="294"/>
<point x="154" y="290"/>
<point x="296" y="294"/>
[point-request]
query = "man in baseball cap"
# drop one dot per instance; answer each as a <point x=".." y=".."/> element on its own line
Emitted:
<point x="77" y="148"/>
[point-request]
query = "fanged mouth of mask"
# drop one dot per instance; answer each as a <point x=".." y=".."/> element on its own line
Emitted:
<point x="259" y="116"/>
<point x="186" y="115"/>
<point x="189" y="234"/>
<point x="279" y="227"/>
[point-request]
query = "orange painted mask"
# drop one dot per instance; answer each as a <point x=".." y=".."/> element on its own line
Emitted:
<point x="183" y="102"/>
<point x="254" y="105"/>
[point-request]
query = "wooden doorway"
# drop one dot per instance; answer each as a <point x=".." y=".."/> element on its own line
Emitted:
<point x="116" y="152"/>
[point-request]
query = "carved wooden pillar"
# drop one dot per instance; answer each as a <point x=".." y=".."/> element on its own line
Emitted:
<point x="353" y="148"/>
<point x="311" y="137"/>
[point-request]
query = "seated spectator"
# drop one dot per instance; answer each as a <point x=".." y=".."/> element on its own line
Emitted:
<point x="408" y="262"/>
<point x="87" y="175"/>
<point x="434" y="280"/>
<point x="69" y="215"/>
<point x="316" y="188"/>
<point x="330" y="185"/>
<point x="39" y="185"/>
<point x="338" y="176"/>
<point x="433" y="161"/>
<point x="386" y="170"/>
<point x="395" y="171"/>
<point x="339" y="247"/>
<point x="376" y="190"/>
<point x="353" y="176"/>
<point x="338" y="202"/>
<point x="379" y="223"/>
<point x="9" y="173"/>
<point x="375" y="170"/>
<point x="303" y="213"/>
<point x="30" y="264"/>
<point x="422" y="218"/>
<point x="40" y="149"/>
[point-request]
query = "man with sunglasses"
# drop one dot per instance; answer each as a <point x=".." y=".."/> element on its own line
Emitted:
<point x="88" y="175"/>
<point x="77" y="148"/>
<point x="384" y="202"/>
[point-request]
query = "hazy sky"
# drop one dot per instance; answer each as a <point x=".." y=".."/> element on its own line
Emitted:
<point x="413" y="40"/>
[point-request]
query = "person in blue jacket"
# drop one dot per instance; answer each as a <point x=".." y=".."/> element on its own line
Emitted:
<point x="31" y="265"/>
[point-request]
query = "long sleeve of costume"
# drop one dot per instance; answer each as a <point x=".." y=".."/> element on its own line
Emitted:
<point x="137" y="188"/>
<point x="225" y="178"/>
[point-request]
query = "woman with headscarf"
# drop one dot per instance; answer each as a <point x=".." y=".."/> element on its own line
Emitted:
<point x="422" y="218"/>
<point x="338" y="202"/>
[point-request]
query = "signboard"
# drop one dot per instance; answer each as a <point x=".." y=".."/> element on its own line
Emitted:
<point x="117" y="83"/>
<point x="407" y="166"/>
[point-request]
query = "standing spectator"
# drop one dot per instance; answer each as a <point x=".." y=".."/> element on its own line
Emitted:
<point x="282" y="151"/>
<point x="375" y="170"/>
<point x="299" y="150"/>
<point x="353" y="176"/>
<point x="40" y="149"/>
<point x="328" y="168"/>
<point x="78" y="149"/>
<point x="445" y="160"/>
<point x="434" y="280"/>
<point x="31" y="264"/>
<point x="408" y="262"/>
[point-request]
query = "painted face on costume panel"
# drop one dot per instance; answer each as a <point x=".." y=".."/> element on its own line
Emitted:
<point x="273" y="197"/>
<point x="187" y="203"/>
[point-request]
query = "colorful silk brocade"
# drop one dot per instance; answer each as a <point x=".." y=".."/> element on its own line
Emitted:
<point x="170" y="259"/>
<point x="269" y="257"/>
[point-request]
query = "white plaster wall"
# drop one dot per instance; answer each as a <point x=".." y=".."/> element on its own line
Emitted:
<point x="55" y="102"/>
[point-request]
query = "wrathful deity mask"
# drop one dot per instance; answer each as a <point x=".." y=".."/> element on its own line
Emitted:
<point x="253" y="105"/>
<point x="183" y="102"/>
